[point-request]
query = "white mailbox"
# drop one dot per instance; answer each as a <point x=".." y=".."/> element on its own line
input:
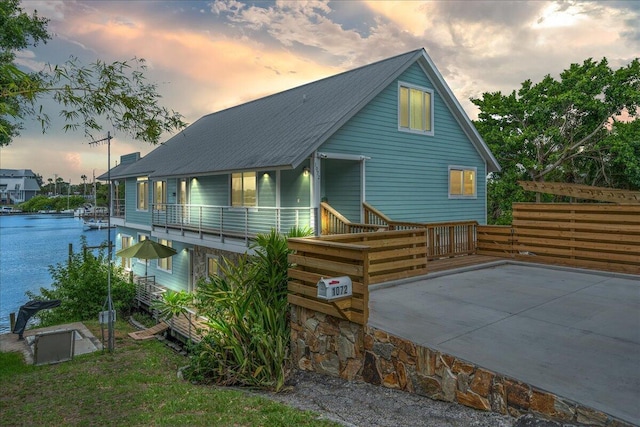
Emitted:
<point x="334" y="288"/>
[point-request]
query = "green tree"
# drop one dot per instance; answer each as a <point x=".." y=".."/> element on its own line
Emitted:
<point x="81" y="286"/>
<point x="619" y="162"/>
<point x="114" y="93"/>
<point x="554" y="130"/>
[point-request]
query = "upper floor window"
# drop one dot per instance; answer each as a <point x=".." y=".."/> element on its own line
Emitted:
<point x="243" y="189"/>
<point x="143" y="193"/>
<point x="415" y="109"/>
<point x="462" y="182"/>
<point x="165" y="263"/>
<point x="160" y="194"/>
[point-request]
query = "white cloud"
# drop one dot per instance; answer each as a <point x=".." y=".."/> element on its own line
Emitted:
<point x="238" y="51"/>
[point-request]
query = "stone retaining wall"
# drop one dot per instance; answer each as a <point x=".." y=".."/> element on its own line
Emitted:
<point x="336" y="347"/>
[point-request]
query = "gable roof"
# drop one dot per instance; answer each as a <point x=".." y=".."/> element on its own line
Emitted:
<point x="282" y="130"/>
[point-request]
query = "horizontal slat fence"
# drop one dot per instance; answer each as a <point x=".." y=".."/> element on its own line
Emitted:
<point x="495" y="240"/>
<point x="588" y="235"/>
<point x="367" y="258"/>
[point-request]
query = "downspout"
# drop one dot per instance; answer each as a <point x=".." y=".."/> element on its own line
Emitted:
<point x="363" y="187"/>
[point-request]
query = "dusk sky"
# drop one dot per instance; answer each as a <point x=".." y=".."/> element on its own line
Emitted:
<point x="207" y="56"/>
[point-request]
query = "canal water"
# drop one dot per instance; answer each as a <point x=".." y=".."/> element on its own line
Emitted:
<point x="29" y="244"/>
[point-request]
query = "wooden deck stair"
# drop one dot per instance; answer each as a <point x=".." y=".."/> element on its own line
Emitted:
<point x="149" y="332"/>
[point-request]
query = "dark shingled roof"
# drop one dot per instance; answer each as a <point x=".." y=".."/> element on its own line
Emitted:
<point x="282" y="130"/>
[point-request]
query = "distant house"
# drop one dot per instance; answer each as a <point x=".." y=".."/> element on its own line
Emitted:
<point x="17" y="186"/>
<point x="390" y="134"/>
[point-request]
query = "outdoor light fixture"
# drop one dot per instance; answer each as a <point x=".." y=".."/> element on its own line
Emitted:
<point x="305" y="171"/>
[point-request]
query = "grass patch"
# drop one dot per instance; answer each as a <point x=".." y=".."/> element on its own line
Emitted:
<point x="136" y="385"/>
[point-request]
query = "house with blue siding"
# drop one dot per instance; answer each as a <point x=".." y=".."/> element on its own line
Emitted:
<point x="389" y="134"/>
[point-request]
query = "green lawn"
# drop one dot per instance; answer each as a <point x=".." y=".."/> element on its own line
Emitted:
<point x="136" y="385"/>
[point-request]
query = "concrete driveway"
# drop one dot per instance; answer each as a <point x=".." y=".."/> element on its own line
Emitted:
<point x="571" y="332"/>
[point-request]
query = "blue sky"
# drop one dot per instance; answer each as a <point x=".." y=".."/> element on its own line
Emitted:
<point x="210" y="55"/>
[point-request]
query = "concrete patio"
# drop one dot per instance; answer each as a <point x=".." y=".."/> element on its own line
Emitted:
<point x="571" y="332"/>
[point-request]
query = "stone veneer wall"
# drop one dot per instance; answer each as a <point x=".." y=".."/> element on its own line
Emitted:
<point x="336" y="347"/>
<point x="200" y="259"/>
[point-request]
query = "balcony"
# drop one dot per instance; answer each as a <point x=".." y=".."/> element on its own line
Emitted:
<point x="118" y="208"/>
<point x="230" y="222"/>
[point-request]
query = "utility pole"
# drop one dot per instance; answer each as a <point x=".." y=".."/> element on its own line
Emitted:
<point x="109" y="303"/>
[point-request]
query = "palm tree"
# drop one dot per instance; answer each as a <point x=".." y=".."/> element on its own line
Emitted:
<point x="59" y="180"/>
<point x="84" y="181"/>
<point x="50" y="180"/>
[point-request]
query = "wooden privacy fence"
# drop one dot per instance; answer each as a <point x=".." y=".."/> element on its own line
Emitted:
<point x="367" y="258"/>
<point x="495" y="240"/>
<point x="586" y="235"/>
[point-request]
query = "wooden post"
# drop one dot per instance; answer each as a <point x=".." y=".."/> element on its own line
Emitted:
<point x="12" y="320"/>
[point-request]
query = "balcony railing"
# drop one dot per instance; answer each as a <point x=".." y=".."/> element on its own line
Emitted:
<point x="117" y="210"/>
<point x="233" y="222"/>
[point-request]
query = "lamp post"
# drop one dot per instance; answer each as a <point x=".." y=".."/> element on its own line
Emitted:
<point x="109" y="302"/>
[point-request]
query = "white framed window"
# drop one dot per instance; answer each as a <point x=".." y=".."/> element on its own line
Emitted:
<point x="213" y="265"/>
<point x="160" y="195"/>
<point x="463" y="182"/>
<point x="165" y="263"/>
<point x="415" y="109"/>
<point x="243" y="189"/>
<point x="125" y="242"/>
<point x="142" y="186"/>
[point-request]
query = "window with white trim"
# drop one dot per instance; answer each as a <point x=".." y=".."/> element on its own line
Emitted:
<point x="125" y="242"/>
<point x="142" y="186"/>
<point x="160" y="195"/>
<point x="415" y="109"/>
<point x="213" y="265"/>
<point x="243" y="189"/>
<point x="462" y="182"/>
<point x="165" y="263"/>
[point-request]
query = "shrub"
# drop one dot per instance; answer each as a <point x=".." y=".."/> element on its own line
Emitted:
<point x="246" y="304"/>
<point x="81" y="286"/>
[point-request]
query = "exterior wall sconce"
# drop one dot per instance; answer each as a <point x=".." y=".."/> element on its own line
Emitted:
<point x="305" y="171"/>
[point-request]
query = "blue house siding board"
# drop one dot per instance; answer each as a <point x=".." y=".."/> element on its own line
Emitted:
<point x="294" y="189"/>
<point x="178" y="278"/>
<point x="210" y="190"/>
<point x="267" y="188"/>
<point x="407" y="175"/>
<point x="172" y="191"/>
<point x="132" y="214"/>
<point x="341" y="187"/>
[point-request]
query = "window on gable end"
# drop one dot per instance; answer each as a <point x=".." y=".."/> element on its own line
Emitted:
<point x="462" y="182"/>
<point x="415" y="109"/>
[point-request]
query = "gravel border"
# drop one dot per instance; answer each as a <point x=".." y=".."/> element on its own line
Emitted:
<point x="356" y="403"/>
